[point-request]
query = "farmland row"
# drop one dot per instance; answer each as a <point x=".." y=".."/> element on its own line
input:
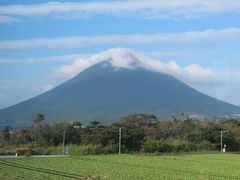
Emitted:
<point x="204" y="166"/>
<point x="9" y="168"/>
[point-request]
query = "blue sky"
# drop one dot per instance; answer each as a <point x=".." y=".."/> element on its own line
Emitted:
<point x="37" y="38"/>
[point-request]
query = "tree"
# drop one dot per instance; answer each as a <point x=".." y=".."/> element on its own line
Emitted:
<point x="76" y="124"/>
<point x="7" y="133"/>
<point x="132" y="137"/>
<point x="95" y="124"/>
<point x="93" y="131"/>
<point x="26" y="136"/>
<point x="39" y="119"/>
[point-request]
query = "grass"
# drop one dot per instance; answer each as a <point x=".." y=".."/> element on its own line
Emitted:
<point x="201" y="166"/>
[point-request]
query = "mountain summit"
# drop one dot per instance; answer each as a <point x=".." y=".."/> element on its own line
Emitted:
<point x="116" y="85"/>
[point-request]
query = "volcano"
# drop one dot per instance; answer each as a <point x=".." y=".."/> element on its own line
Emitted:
<point x="107" y="91"/>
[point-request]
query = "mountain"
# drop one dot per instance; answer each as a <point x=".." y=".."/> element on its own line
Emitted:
<point x="105" y="91"/>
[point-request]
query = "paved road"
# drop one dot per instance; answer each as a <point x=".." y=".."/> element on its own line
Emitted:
<point x="37" y="156"/>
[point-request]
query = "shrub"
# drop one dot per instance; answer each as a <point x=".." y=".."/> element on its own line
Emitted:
<point x="27" y="152"/>
<point x="165" y="146"/>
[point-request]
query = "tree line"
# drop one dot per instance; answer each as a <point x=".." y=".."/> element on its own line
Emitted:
<point x="139" y="133"/>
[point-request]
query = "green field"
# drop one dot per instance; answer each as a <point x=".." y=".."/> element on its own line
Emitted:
<point x="207" y="166"/>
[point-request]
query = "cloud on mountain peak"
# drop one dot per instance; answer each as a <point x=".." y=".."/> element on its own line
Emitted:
<point x="127" y="58"/>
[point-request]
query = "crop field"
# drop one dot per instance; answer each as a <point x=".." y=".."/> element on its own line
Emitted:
<point x="207" y="166"/>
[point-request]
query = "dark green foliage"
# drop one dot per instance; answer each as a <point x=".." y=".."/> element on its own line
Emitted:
<point x="165" y="146"/>
<point x="7" y="133"/>
<point x="139" y="133"/>
<point x="132" y="137"/>
<point x="39" y="119"/>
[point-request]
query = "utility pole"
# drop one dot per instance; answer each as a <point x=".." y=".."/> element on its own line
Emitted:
<point x="75" y="127"/>
<point x="222" y="139"/>
<point x="120" y="139"/>
<point x="64" y="137"/>
<point x="64" y="142"/>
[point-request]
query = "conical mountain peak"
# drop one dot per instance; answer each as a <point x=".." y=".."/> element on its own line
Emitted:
<point x="109" y="89"/>
<point x="119" y="58"/>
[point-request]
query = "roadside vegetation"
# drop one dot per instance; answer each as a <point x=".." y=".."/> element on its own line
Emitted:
<point x="139" y="133"/>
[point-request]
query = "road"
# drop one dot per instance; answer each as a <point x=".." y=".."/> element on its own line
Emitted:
<point x="36" y="156"/>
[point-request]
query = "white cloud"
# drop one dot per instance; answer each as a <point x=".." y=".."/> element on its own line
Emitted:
<point x="126" y="58"/>
<point x="72" y="57"/>
<point x="197" y="72"/>
<point x="228" y="84"/>
<point x="173" y="54"/>
<point x="149" y="9"/>
<point x="32" y="60"/>
<point x="209" y="35"/>
<point x="8" y="20"/>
